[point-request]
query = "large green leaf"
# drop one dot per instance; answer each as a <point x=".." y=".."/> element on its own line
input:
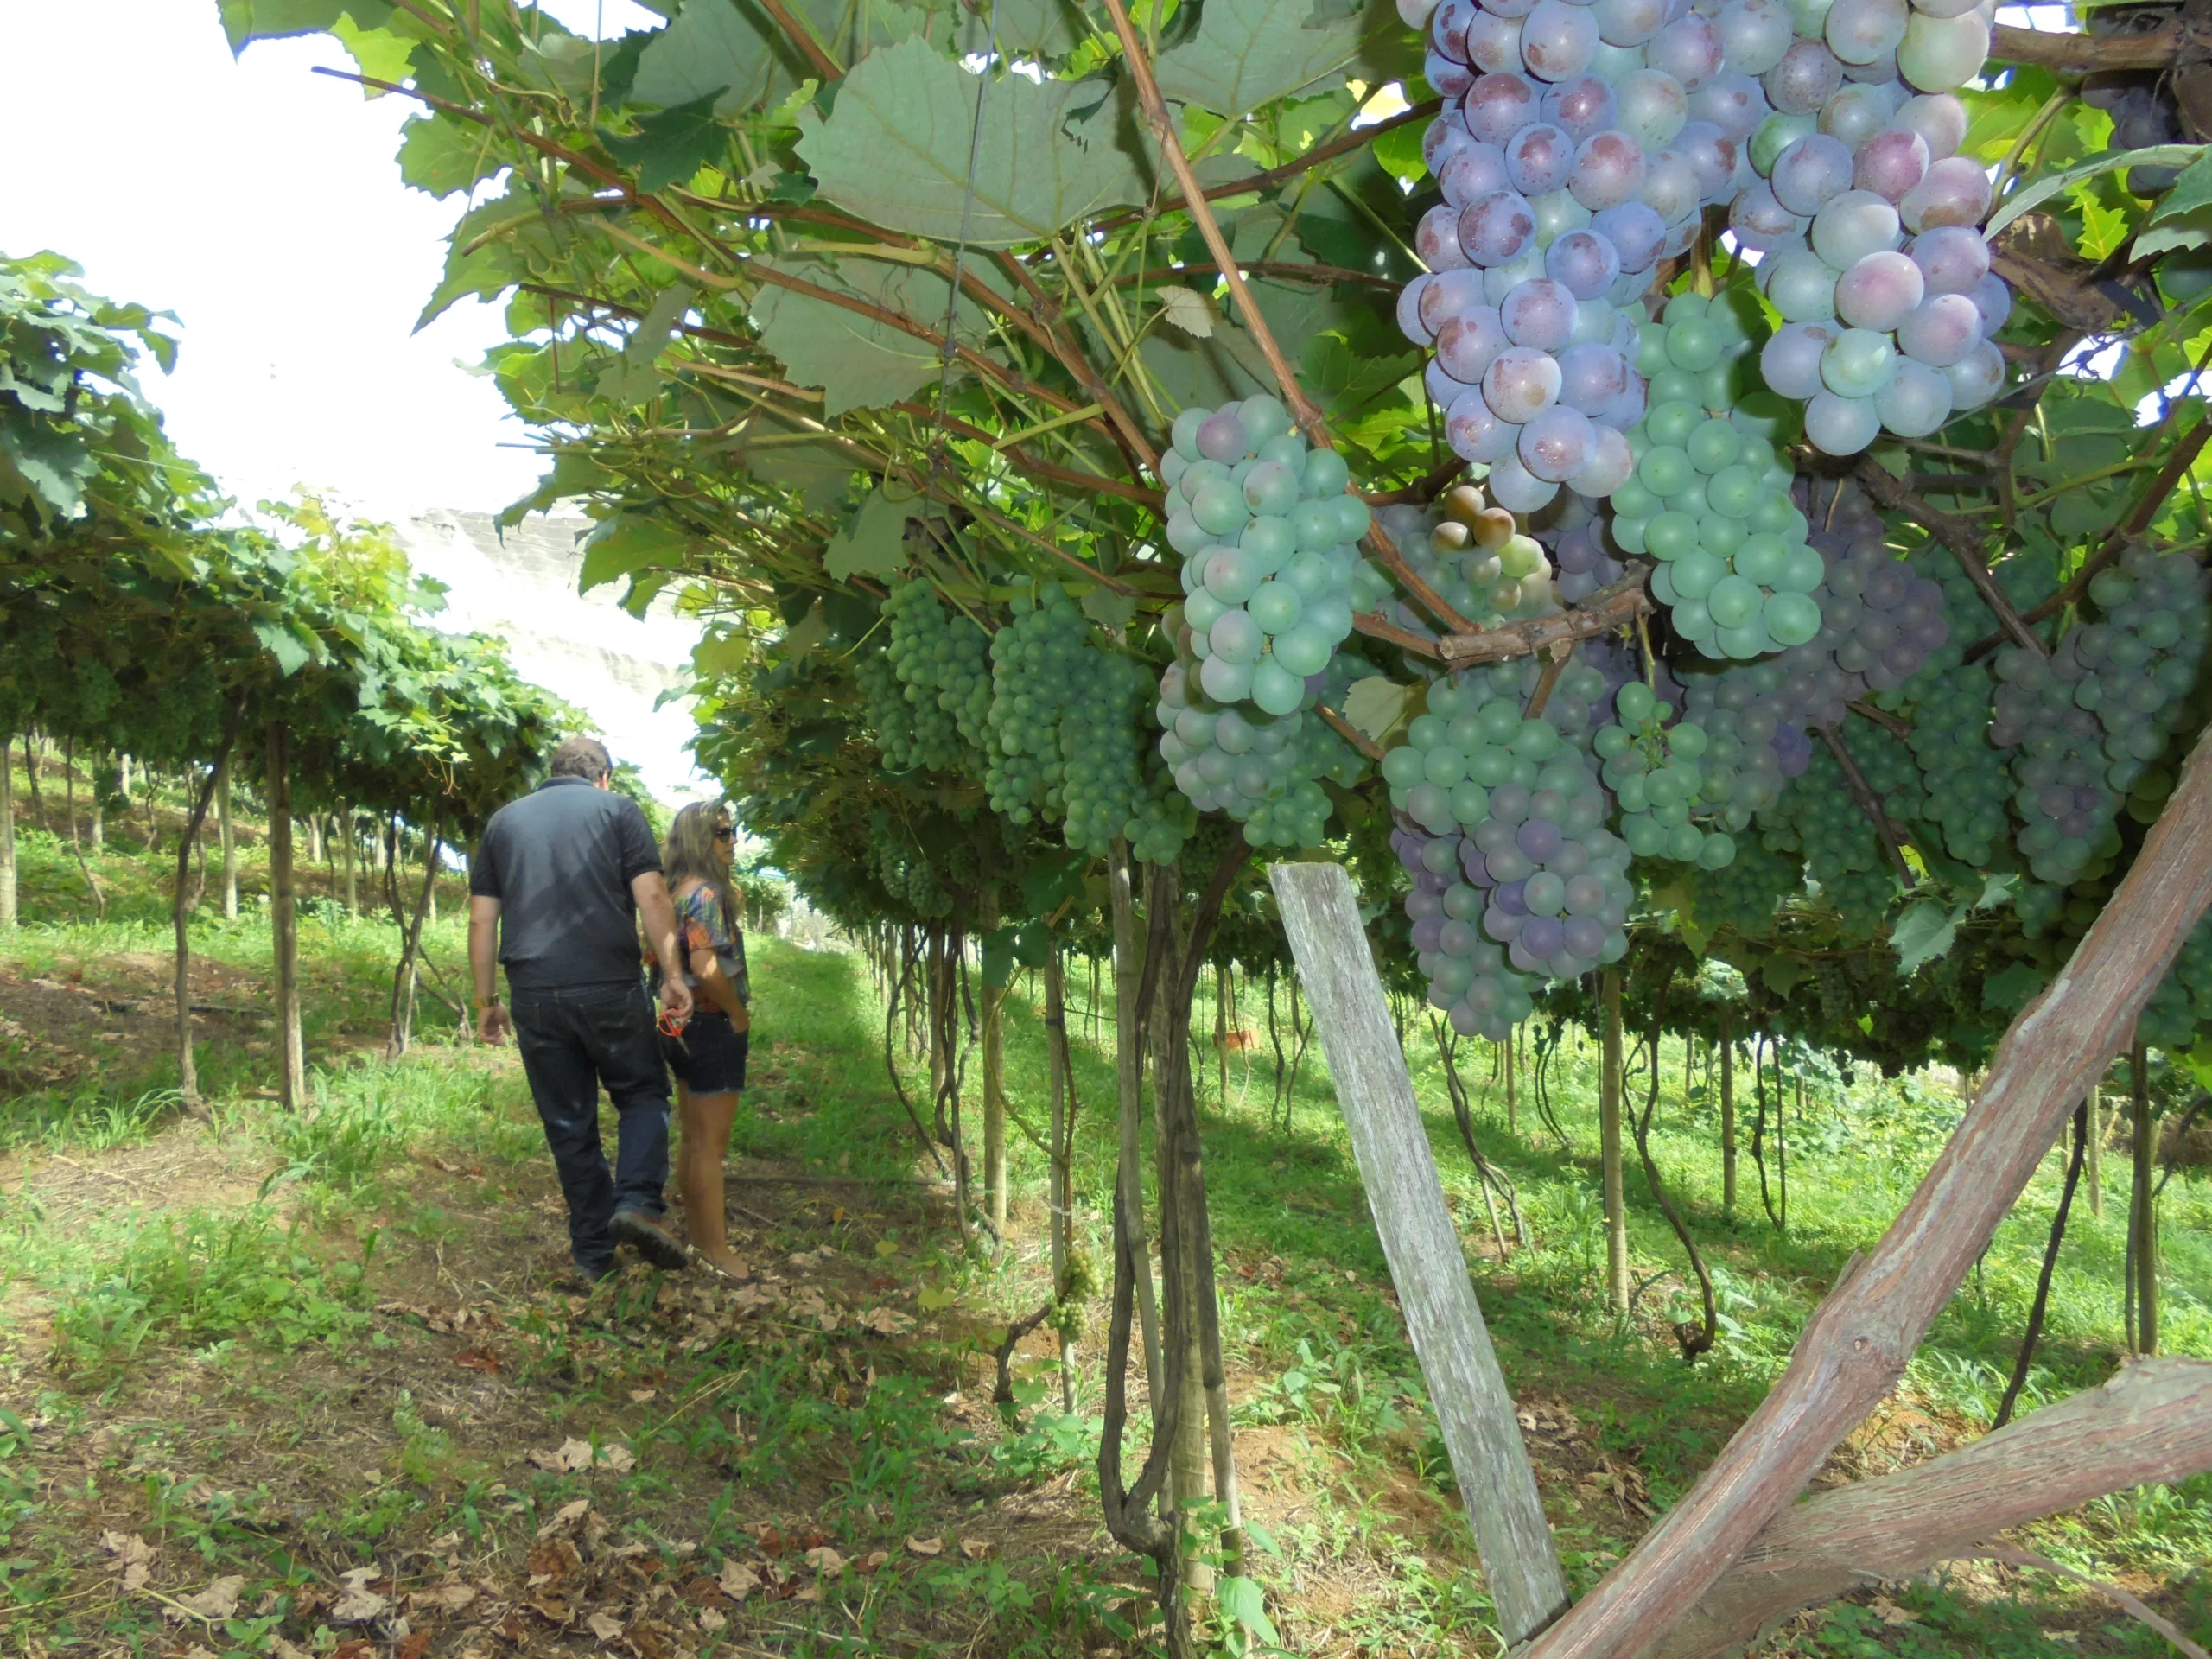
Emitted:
<point x="2043" y="189"/>
<point x="1248" y="53"/>
<point x="858" y="361"/>
<point x="896" y="151"/>
<point x="443" y="157"/>
<point x="625" y="544"/>
<point x="873" y="541"/>
<point x="723" y="49"/>
<point x="246" y="21"/>
<point x="671" y="144"/>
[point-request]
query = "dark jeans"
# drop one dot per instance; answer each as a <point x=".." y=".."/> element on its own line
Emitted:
<point x="574" y="1038"/>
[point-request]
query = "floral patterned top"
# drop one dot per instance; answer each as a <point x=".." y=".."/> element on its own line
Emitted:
<point x="703" y="925"/>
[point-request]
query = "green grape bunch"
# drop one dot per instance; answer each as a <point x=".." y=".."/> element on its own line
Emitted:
<point x="1268" y="529"/>
<point x="1035" y="663"/>
<point x="944" y="669"/>
<point x="1710" y="497"/>
<point x="1653" y="770"/>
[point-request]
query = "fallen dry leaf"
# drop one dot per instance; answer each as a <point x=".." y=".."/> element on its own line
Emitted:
<point x="133" y="1553"/>
<point x="604" y="1627"/>
<point x="926" y="1545"/>
<point x="875" y="1560"/>
<point x="478" y="1359"/>
<point x="710" y="1621"/>
<point x="825" y="1560"/>
<point x="738" y="1581"/>
<point x="575" y="1456"/>
<point x="974" y="1548"/>
<point x="219" y="1600"/>
<point x="444" y="1598"/>
<point x="887" y="1322"/>
<point x="359" y="1604"/>
<point x="565" y="1517"/>
<point x="638" y="1396"/>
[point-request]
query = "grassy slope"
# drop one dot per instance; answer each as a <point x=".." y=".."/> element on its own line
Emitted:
<point x="290" y="1348"/>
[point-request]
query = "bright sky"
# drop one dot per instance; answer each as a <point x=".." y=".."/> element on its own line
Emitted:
<point x="260" y="202"/>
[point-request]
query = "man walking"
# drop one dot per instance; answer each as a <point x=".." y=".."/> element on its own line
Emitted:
<point x="556" y="887"/>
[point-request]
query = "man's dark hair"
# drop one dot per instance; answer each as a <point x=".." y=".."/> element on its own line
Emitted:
<point x="583" y="757"/>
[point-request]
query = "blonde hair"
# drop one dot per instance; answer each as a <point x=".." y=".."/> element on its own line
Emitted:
<point x="691" y="855"/>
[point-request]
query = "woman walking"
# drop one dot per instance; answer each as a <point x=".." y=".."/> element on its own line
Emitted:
<point x="708" y="1054"/>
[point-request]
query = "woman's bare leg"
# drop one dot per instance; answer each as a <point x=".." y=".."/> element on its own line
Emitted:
<point x="706" y="1120"/>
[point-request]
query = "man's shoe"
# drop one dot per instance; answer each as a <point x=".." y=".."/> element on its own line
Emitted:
<point x="650" y="1238"/>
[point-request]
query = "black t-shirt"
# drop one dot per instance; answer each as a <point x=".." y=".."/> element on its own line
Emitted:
<point x="560" y="862"/>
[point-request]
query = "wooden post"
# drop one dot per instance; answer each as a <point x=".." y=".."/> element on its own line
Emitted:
<point x="1512" y="1105"/>
<point x="228" y="835"/>
<point x="1857" y="1342"/>
<point x="350" y="835"/>
<point x="6" y="831"/>
<point x="1129" y="1076"/>
<point x="993" y="1085"/>
<point x="1609" y="1150"/>
<point x="1059" y="1180"/>
<point x="2143" y="1210"/>
<point x="1728" y="1120"/>
<point x="2093" y="1167"/>
<point x="284" y="919"/>
<point x="1474" y="1410"/>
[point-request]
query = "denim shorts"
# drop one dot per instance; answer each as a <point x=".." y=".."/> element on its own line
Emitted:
<point x="710" y="1056"/>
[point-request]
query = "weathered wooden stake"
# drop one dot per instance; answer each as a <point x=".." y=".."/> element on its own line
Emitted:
<point x="1320" y="915"/>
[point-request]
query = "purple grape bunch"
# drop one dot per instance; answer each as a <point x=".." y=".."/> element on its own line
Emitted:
<point x="1868" y="219"/>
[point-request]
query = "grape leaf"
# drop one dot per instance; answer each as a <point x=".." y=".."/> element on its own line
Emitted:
<point x="1028" y="29"/>
<point x="381" y="55"/>
<point x="2192" y="190"/>
<point x="720" y="49"/>
<point x="1925" y="931"/>
<point x="1187" y="309"/>
<point x="2043" y="189"/>
<point x="803" y="635"/>
<point x="872" y="542"/>
<point x="671" y="144"/>
<point x="1243" y="1600"/>
<point x="625" y="544"/>
<point x="443" y="157"/>
<point x="858" y="361"/>
<point x="2008" y="992"/>
<point x="1375" y="705"/>
<point x="246" y="21"/>
<point x="1248" y="53"/>
<point x="896" y="151"/>
<point x="1109" y="609"/>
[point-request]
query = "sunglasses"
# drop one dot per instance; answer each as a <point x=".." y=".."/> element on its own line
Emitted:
<point x="725" y="833"/>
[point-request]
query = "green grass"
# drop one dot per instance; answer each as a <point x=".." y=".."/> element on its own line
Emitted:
<point x="218" y="1375"/>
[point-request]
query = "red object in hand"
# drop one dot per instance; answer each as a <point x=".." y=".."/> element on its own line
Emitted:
<point x="671" y="1023"/>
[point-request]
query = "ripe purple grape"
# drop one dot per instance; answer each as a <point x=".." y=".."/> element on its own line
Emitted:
<point x="1790" y="362"/>
<point x="1940" y="55"/>
<point x="1497" y="228"/>
<point x="1807" y="77"/>
<point x="1447" y="292"/>
<point x="1879" y="292"/>
<point x="1446" y="134"/>
<point x="1591" y="376"/>
<point x="1581" y="104"/>
<point x="1955" y="191"/>
<point x="1943" y="330"/>
<point x="1498" y="105"/>
<point x="1608" y="170"/>
<point x="1939" y="117"/>
<point x="1636" y="231"/>
<point x="1670" y="187"/>
<point x="1539" y="314"/>
<point x="1539" y="159"/>
<point x="1474" y="433"/>
<point x="1689" y="48"/>
<point x="1891" y="163"/>
<point x="1409" y="322"/>
<point x="1584" y="262"/>
<point x="1713" y="157"/>
<point x="1977" y="377"/>
<point x="1992" y="297"/>
<point x="1812" y="173"/>
<point x="1468" y="341"/>
<point x="1841" y="426"/>
<point x="1858" y="112"/>
<point x="1519" y="383"/>
<point x="1611" y="462"/>
<point x="1436" y="239"/>
<point x="1953" y="258"/>
<point x="1447" y="27"/>
<point x="1473" y="170"/>
<point x="1761" y="223"/>
<point x="1558" y="443"/>
<point x="1733" y="102"/>
<point x="1516" y="489"/>
<point x="1494" y="42"/>
<point x="1449" y="77"/>
<point x="1558" y="39"/>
